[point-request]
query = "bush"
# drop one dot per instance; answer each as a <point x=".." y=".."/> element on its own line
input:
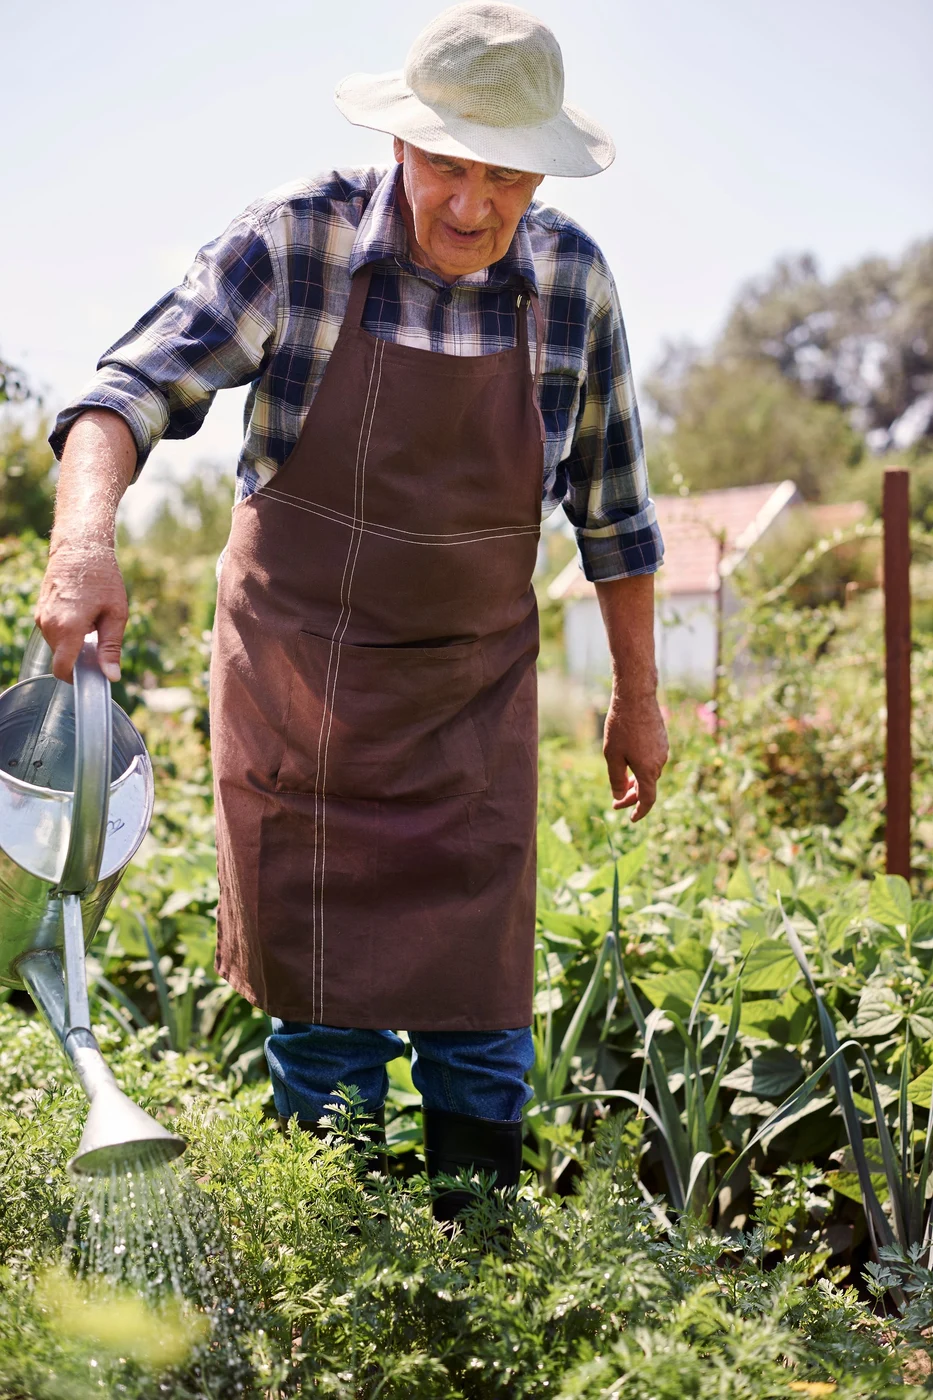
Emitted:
<point x="348" y="1288"/>
<point x="27" y="470"/>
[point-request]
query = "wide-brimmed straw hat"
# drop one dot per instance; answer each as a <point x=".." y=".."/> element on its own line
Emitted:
<point x="484" y="81"/>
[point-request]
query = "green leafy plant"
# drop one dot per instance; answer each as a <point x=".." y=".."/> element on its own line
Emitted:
<point x="908" y="1222"/>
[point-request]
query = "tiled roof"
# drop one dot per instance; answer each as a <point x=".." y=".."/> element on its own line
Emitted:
<point x="691" y="527"/>
<point x="840" y="515"/>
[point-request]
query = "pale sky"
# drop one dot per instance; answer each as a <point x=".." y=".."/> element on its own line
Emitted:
<point x="746" y="129"/>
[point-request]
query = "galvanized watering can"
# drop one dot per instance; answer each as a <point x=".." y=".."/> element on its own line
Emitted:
<point x="76" y="799"/>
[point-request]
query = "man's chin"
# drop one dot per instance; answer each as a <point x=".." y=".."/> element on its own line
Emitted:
<point x="460" y="262"/>
<point x="464" y="269"/>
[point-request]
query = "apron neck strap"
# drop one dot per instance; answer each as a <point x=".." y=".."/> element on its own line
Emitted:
<point x="539" y="332"/>
<point x="359" y="291"/>
<point x="523" y="299"/>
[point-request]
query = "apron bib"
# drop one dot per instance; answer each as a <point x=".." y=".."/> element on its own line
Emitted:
<point x="373" y="697"/>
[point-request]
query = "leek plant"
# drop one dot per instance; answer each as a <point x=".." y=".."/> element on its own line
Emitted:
<point x="905" y="1228"/>
<point x="550" y="1113"/>
<point x="684" y="1136"/>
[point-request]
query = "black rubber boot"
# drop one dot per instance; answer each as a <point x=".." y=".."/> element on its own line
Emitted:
<point x="454" y="1143"/>
<point x="375" y="1132"/>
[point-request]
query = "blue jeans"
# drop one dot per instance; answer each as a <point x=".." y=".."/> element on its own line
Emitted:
<point x="479" y="1073"/>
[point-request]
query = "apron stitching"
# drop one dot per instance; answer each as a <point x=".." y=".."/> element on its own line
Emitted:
<point x="382" y="533"/>
<point x="390" y="531"/>
<point x="318" y="782"/>
<point x="356" y="537"/>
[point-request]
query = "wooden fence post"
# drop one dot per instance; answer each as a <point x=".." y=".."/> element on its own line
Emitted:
<point x="897" y="667"/>
<point x="720" y="613"/>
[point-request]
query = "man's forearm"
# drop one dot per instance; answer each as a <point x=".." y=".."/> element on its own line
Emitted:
<point x="635" y="740"/>
<point x="97" y="466"/>
<point x="82" y="590"/>
<point x="627" y="606"/>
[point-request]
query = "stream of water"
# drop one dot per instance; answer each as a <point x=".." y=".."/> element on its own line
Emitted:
<point x="151" y="1233"/>
<point x="151" y="1229"/>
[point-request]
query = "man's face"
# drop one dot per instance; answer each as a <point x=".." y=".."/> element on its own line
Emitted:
<point x="463" y="215"/>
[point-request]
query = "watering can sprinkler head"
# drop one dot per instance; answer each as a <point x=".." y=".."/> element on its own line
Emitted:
<point x="62" y="853"/>
<point x="118" y="1135"/>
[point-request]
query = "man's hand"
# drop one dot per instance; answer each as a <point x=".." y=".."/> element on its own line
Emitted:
<point x="83" y="589"/>
<point x="82" y="592"/>
<point x="635" y="747"/>
<point x="635" y="742"/>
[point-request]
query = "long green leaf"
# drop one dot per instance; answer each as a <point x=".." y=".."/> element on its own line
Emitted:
<point x="700" y="1159"/>
<point x="612" y="1000"/>
<point x="926" y="1224"/>
<point x="697" y="1123"/>
<point x="878" y="1227"/>
<point x="674" y="1130"/>
<point x="790" y="1105"/>
<point x="641" y="1103"/>
<point x="905" y="1121"/>
<point x="548" y="1046"/>
<point x="568" y="1046"/>
<point x="102" y="1005"/>
<point x="913" y="1209"/>
<point x="115" y="994"/>
<point x="161" y="986"/>
<point x="700" y="990"/>
<point x="722" y="1063"/>
<point x="898" y="1185"/>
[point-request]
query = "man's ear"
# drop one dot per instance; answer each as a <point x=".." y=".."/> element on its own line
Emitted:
<point x="398" y="149"/>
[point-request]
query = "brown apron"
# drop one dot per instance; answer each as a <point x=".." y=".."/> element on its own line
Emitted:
<point x="373" y="699"/>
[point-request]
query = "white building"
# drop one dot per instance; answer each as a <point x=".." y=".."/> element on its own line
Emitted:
<point x="706" y="537"/>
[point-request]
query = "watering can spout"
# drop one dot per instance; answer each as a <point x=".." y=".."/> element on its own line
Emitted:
<point x="118" y="1134"/>
<point x="75" y="802"/>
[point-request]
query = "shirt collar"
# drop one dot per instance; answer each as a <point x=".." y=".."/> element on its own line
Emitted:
<point x="381" y="237"/>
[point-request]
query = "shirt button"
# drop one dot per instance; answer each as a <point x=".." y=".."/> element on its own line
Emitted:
<point x="445" y="298"/>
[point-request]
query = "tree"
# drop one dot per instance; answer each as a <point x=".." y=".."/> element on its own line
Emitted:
<point x="194" y="518"/>
<point x="27" y="480"/>
<point x="863" y="341"/>
<point x="740" y="424"/>
<point x="13" y="385"/>
<point x="804" y="372"/>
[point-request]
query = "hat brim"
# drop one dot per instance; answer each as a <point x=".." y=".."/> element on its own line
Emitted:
<point x="570" y="144"/>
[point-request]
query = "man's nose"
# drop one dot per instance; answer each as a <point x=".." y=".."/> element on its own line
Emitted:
<point x="469" y="206"/>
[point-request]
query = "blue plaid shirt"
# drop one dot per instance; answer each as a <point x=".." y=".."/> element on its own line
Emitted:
<point x="262" y="305"/>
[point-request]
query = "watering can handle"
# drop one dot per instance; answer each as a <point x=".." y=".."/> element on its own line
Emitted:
<point x="37" y="658"/>
<point x="91" y="799"/>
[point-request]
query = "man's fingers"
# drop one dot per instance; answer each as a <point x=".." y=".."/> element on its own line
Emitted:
<point x="625" y="795"/>
<point x="82" y="592"/>
<point x="647" y="795"/>
<point x="65" y="654"/>
<point x="110" y="630"/>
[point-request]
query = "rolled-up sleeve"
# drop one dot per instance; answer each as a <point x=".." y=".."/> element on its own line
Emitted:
<point x="607" y="499"/>
<point x="211" y="332"/>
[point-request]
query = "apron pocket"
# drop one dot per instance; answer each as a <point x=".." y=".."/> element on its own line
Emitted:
<point x="382" y="723"/>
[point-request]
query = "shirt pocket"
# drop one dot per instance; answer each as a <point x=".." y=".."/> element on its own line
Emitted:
<point x="383" y="723"/>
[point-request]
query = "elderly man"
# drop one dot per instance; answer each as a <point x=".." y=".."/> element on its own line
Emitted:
<point x="430" y="355"/>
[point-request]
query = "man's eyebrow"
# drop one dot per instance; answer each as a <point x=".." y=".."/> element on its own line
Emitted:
<point x="434" y="158"/>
